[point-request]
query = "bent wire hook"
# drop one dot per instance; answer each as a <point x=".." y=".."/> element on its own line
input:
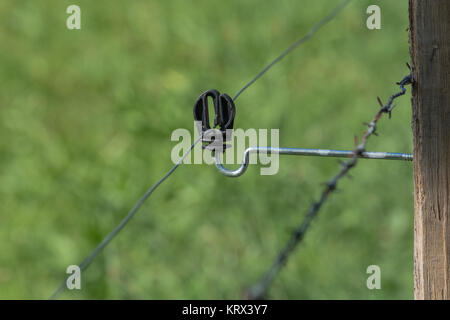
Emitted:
<point x="305" y="152"/>
<point x="224" y="118"/>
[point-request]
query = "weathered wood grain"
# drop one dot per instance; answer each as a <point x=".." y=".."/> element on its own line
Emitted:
<point x="429" y="37"/>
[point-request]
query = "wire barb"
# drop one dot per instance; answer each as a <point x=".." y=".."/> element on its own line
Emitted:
<point x="259" y="290"/>
<point x="87" y="261"/>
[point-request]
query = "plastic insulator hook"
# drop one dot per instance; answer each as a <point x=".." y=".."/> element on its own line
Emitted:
<point x="225" y="112"/>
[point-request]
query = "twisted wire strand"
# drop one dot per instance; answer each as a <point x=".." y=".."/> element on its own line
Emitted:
<point x="88" y="260"/>
<point x="259" y="290"/>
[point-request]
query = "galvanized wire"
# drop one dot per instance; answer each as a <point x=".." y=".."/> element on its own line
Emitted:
<point x="87" y="261"/>
<point x="304" y="152"/>
<point x="303" y="39"/>
<point x="259" y="290"/>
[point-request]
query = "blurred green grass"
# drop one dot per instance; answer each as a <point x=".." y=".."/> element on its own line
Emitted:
<point x="85" y="124"/>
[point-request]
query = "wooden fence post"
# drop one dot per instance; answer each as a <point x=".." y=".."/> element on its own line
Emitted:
<point x="430" y="37"/>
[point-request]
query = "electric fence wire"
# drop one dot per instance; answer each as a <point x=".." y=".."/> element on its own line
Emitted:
<point x="293" y="46"/>
<point x="87" y="261"/>
<point x="259" y="290"/>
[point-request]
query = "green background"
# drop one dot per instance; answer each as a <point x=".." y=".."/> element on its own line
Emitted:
<point x="85" y="123"/>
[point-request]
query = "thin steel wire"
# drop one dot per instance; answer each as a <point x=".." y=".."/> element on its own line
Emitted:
<point x="259" y="290"/>
<point x="305" y="38"/>
<point x="87" y="261"/>
<point x="304" y="152"/>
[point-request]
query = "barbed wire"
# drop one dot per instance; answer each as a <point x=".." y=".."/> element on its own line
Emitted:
<point x="87" y="261"/>
<point x="259" y="290"/>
